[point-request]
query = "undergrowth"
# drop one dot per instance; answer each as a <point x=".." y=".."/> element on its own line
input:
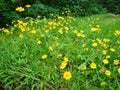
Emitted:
<point x="64" y="53"/>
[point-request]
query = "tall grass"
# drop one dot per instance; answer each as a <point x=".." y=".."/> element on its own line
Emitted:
<point x="63" y="53"/>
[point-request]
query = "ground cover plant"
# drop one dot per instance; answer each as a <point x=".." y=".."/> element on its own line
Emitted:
<point x="62" y="53"/>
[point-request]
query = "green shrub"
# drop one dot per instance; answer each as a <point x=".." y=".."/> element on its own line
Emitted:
<point x="7" y="12"/>
<point x="46" y="7"/>
<point x="40" y="9"/>
<point x="79" y="7"/>
<point x="87" y="7"/>
<point x="112" y="6"/>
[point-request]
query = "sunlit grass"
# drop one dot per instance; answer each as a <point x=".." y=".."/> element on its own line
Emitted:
<point x="64" y="52"/>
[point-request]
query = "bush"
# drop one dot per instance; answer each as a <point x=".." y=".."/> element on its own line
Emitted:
<point x="87" y="7"/>
<point x="112" y="6"/>
<point x="45" y="7"/>
<point x="79" y="7"/>
<point x="7" y="12"/>
<point x="40" y="9"/>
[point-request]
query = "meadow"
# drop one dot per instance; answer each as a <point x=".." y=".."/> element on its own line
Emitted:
<point x="61" y="53"/>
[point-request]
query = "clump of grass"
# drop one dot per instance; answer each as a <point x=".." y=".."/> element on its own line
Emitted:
<point x="61" y="53"/>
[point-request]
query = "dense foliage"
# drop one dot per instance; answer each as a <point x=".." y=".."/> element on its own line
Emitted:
<point x="112" y="6"/>
<point x="64" y="53"/>
<point x="46" y="7"/>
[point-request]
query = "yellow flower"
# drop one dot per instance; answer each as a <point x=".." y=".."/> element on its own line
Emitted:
<point x="119" y="70"/>
<point x="63" y="65"/>
<point x="94" y="44"/>
<point x="50" y="23"/>
<point x="107" y="72"/>
<point x="106" y="40"/>
<point x="83" y="36"/>
<point x="86" y="49"/>
<point x="105" y="61"/>
<point x="6" y="31"/>
<point x="93" y="65"/>
<point x="98" y="26"/>
<point x="44" y="56"/>
<point x="57" y="44"/>
<point x="105" y="45"/>
<point x="46" y="31"/>
<point x="112" y="49"/>
<point x="108" y="56"/>
<point x="21" y="35"/>
<point x="65" y="59"/>
<point x="84" y="67"/>
<point x="60" y="18"/>
<point x="99" y="41"/>
<point x="75" y="31"/>
<point x="79" y="34"/>
<point x="39" y="42"/>
<point x="104" y="52"/>
<point x="118" y="42"/>
<point x="60" y="31"/>
<point x="116" y="62"/>
<point x="19" y="9"/>
<point x="22" y="28"/>
<point x="103" y="84"/>
<point x="55" y="38"/>
<point x="67" y="75"/>
<point x="83" y="45"/>
<point x="27" y="6"/>
<point x="117" y="33"/>
<point x="33" y="32"/>
<point x="66" y="28"/>
<point x="50" y="48"/>
<point x="59" y="55"/>
<point x="90" y="25"/>
<point x="95" y="29"/>
<point x="97" y="18"/>
<point x="38" y="16"/>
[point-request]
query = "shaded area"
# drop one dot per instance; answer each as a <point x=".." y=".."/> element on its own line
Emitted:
<point x="44" y="8"/>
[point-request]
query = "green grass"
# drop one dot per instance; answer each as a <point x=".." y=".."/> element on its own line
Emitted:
<point x="24" y="43"/>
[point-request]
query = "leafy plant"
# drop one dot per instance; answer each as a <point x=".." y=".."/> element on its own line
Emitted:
<point x="61" y="53"/>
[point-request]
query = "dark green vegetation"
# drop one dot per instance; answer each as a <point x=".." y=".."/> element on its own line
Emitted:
<point x="46" y="7"/>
